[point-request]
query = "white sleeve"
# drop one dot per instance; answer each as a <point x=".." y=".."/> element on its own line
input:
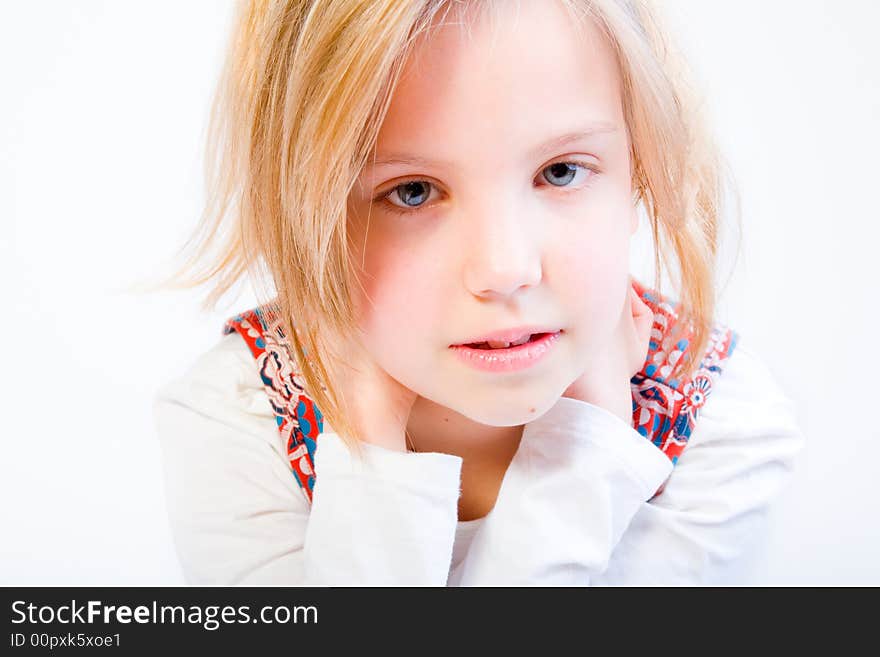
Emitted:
<point x="711" y="519"/>
<point x="238" y="516"/>
<point x="579" y="475"/>
<point x="573" y="507"/>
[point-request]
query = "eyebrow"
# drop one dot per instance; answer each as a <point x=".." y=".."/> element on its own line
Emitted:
<point x="548" y="146"/>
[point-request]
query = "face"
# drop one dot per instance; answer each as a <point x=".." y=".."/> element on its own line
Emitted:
<point x="500" y="197"/>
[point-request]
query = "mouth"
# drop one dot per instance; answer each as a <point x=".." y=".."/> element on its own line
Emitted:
<point x="507" y="338"/>
<point x="495" y="345"/>
<point x="505" y="357"/>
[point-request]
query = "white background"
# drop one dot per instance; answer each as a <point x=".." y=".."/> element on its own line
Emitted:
<point x="103" y="107"/>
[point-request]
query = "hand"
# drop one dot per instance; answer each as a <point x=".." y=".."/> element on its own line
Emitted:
<point x="606" y="382"/>
<point x="378" y="405"/>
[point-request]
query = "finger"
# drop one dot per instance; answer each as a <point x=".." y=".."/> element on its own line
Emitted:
<point x="630" y="310"/>
<point x="640" y="308"/>
<point x="642" y="321"/>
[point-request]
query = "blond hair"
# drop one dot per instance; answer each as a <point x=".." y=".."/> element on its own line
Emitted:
<point x="304" y="89"/>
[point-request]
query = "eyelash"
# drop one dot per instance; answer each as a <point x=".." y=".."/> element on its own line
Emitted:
<point x="396" y="209"/>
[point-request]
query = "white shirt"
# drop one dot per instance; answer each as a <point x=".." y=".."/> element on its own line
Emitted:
<point x="572" y="509"/>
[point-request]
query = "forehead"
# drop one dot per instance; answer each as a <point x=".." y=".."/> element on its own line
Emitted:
<point x="501" y="79"/>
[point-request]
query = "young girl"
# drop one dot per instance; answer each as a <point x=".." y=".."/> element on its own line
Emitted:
<point x="455" y="380"/>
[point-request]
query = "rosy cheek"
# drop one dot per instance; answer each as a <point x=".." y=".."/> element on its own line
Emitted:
<point x="585" y="275"/>
<point x="392" y="286"/>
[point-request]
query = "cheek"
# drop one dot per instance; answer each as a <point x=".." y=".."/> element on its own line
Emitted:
<point x="590" y="268"/>
<point x="403" y="289"/>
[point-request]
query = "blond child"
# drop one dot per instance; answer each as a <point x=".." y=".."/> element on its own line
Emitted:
<point x="455" y="379"/>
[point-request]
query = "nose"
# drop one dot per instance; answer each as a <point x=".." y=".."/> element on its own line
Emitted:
<point x="503" y="249"/>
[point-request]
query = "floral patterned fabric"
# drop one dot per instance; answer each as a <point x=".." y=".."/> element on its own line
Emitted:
<point x="665" y="409"/>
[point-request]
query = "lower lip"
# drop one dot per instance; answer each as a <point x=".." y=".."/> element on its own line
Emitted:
<point x="510" y="359"/>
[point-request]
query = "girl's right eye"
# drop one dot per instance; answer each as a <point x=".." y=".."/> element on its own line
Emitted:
<point x="408" y="196"/>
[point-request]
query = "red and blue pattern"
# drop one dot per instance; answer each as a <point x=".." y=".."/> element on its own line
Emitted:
<point x="665" y="409"/>
<point x="299" y="419"/>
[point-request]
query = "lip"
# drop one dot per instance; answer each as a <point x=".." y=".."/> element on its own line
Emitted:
<point x="511" y="359"/>
<point x="508" y="335"/>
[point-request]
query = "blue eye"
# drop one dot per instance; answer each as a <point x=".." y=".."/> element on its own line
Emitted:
<point x="560" y="174"/>
<point x="407" y="197"/>
<point x="413" y="193"/>
<point x="412" y="196"/>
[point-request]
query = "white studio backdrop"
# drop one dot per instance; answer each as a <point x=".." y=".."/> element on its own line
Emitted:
<point x="103" y="107"/>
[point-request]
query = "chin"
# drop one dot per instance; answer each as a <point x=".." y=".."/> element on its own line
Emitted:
<point x="504" y="413"/>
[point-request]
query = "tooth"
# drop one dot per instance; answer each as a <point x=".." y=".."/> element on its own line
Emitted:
<point x="522" y="340"/>
<point x="498" y="344"/>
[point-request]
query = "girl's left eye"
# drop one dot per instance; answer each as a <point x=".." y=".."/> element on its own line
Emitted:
<point x="560" y="174"/>
<point x="414" y="194"/>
